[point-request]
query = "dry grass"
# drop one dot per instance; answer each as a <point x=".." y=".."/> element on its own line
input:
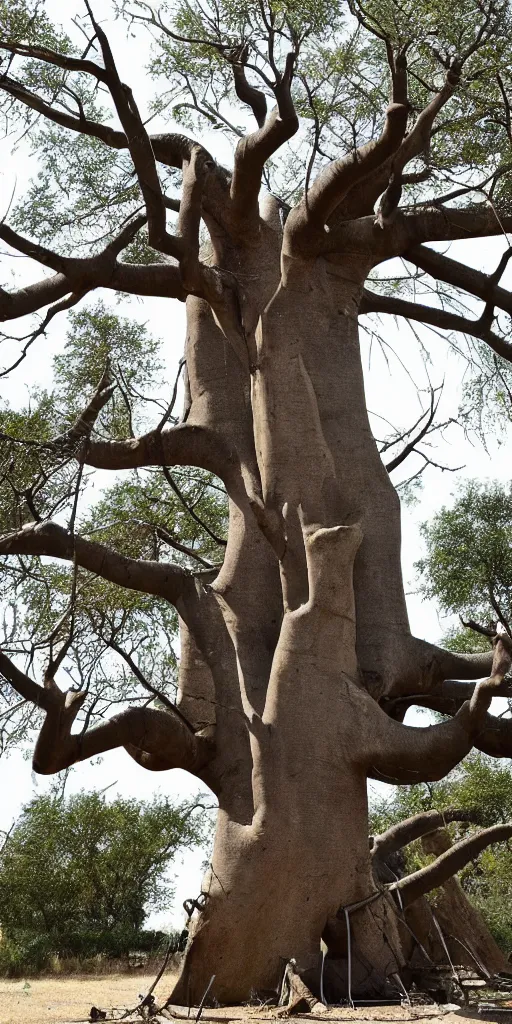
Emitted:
<point x="65" y="1000"/>
<point x="55" y="1000"/>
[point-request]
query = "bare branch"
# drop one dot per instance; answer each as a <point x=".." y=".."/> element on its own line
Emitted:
<point x="184" y="445"/>
<point x="446" y="321"/>
<point x="160" y="579"/>
<point x="159" y="734"/>
<point x="410" y="829"/>
<point x="22" y="683"/>
<point x="444" y="268"/>
<point x="420" y="882"/>
<point x="411" y="445"/>
<point x="59" y="60"/>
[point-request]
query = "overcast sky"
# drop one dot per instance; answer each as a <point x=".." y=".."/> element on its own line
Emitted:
<point x="390" y="393"/>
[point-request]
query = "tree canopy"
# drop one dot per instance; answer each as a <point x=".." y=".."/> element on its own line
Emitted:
<point x="468" y="565"/>
<point x="79" y="875"/>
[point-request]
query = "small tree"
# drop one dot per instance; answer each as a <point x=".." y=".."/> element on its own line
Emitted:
<point x="468" y="566"/>
<point x="83" y="873"/>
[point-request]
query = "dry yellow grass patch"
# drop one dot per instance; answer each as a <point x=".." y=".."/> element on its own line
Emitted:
<point x="58" y="1000"/>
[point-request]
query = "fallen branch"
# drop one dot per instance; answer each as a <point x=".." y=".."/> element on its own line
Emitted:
<point x="298" y="992"/>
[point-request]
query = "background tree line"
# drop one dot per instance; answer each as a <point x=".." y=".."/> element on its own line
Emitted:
<point x="79" y="877"/>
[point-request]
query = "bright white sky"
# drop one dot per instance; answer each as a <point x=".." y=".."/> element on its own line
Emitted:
<point x="389" y="391"/>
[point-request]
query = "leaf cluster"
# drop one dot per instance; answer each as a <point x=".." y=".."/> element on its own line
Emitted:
<point x="468" y="565"/>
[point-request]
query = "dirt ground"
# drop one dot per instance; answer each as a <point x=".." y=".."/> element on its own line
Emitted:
<point x="56" y="1000"/>
<point x="68" y="1000"/>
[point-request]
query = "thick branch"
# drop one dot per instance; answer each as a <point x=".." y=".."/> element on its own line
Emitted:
<point x="159" y="734"/>
<point x="184" y="445"/>
<point x="438" y="664"/>
<point x="23" y="684"/>
<point x="420" y="882"/>
<point x="439" y="224"/>
<point x="247" y="93"/>
<point x="83" y="125"/>
<point x="305" y="225"/>
<point x="79" y="276"/>
<point x="157" y="740"/>
<point x="405" y="754"/>
<point x="444" y="268"/>
<point x="156" y="578"/>
<point x="412" y="227"/>
<point x="254" y="150"/>
<point x="405" y="832"/>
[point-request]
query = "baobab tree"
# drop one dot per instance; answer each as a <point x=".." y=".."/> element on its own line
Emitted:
<point x="296" y="658"/>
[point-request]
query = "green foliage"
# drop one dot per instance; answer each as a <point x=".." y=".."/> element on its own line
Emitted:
<point x="481" y="784"/>
<point x="341" y="87"/>
<point x="97" y="337"/>
<point x="487" y="395"/>
<point x="29" y="954"/>
<point x="468" y="566"/>
<point x="79" y="876"/>
<point x="139" y="515"/>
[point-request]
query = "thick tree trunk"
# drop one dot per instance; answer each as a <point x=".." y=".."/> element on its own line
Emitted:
<point x="275" y="888"/>
<point x="297" y="731"/>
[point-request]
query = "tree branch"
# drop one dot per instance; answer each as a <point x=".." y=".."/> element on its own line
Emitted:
<point x="253" y="151"/>
<point x="157" y="740"/>
<point x="247" y="93"/>
<point x="406" y="831"/>
<point x="424" y="430"/>
<point x="420" y="882"/>
<point x="404" y="754"/>
<point x="441" y="318"/>
<point x="78" y="276"/>
<point x="59" y="60"/>
<point x="160" y="579"/>
<point x="305" y="225"/>
<point x="185" y="245"/>
<point x="444" y="268"/>
<point x="184" y="445"/>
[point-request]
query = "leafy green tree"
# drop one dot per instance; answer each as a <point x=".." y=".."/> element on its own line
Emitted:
<point x="468" y="565"/>
<point x="80" y="875"/>
<point x="361" y="132"/>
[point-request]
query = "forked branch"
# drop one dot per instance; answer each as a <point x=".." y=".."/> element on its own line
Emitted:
<point x="441" y="318"/>
<point x="403" y="754"/>
<point x="305" y="227"/>
<point x="254" y="150"/>
<point x="161" y="736"/>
